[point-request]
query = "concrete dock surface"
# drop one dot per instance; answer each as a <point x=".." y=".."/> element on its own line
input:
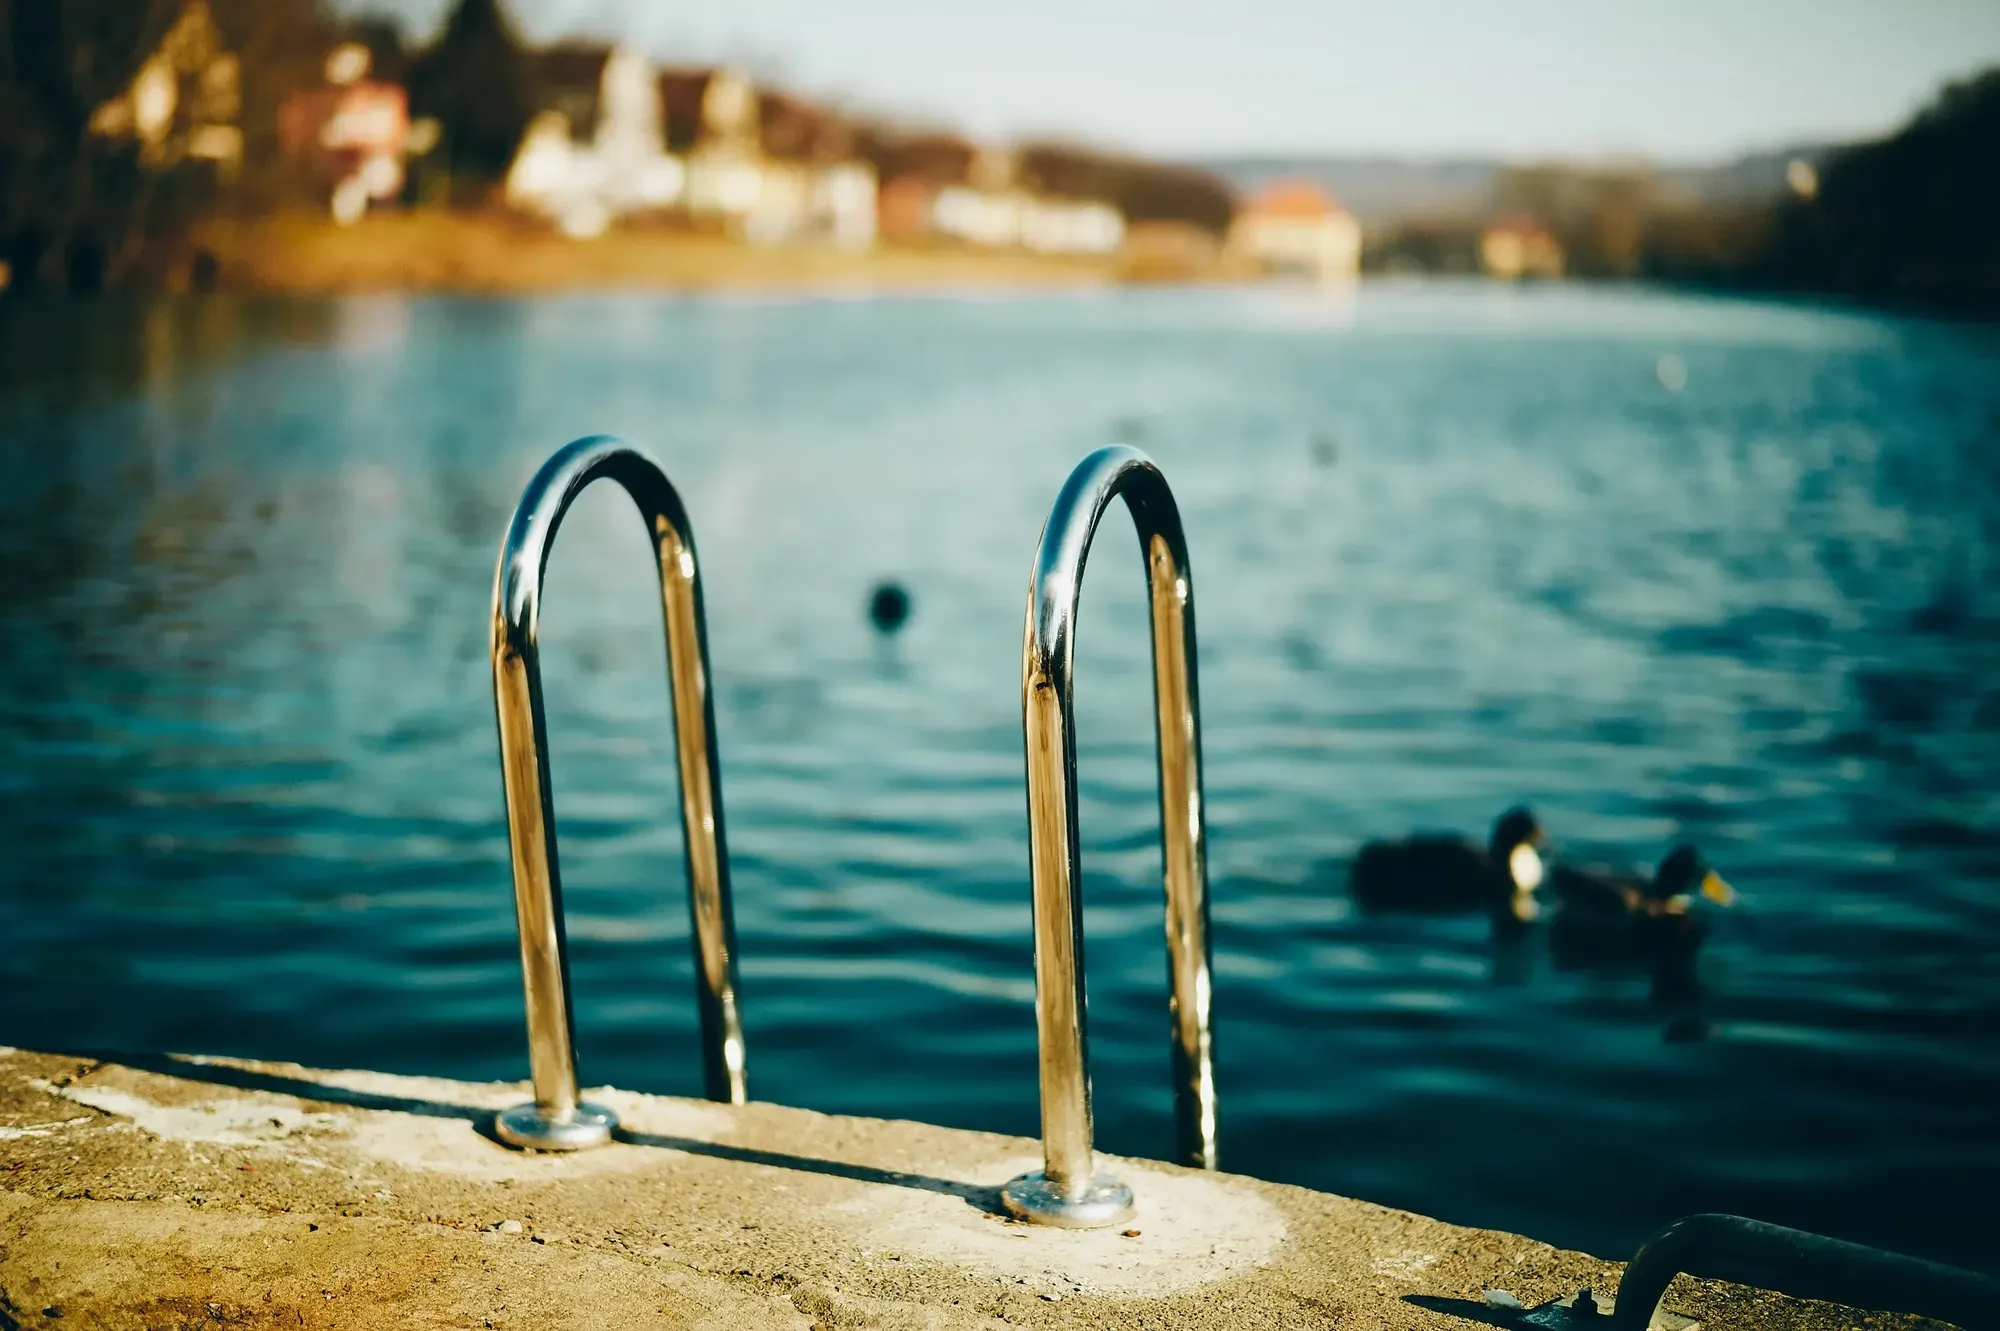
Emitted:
<point x="168" y="1192"/>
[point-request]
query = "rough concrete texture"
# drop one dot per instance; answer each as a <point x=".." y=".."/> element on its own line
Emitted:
<point x="167" y="1192"/>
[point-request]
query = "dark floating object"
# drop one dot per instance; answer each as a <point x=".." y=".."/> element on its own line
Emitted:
<point x="888" y="607"/>
<point x="1325" y="450"/>
<point x="1609" y="917"/>
<point x="1445" y="874"/>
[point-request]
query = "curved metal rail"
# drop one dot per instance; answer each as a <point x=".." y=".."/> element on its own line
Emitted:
<point x="558" y="1120"/>
<point x="1806" y="1266"/>
<point x="1068" y="1190"/>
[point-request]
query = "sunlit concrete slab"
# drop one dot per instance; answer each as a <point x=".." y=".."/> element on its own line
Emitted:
<point x="165" y="1191"/>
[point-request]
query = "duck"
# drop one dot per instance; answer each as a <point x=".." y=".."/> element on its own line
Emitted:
<point x="1602" y="916"/>
<point x="1448" y="874"/>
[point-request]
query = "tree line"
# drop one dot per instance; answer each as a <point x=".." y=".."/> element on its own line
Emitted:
<point x="82" y="209"/>
<point x="1912" y="219"/>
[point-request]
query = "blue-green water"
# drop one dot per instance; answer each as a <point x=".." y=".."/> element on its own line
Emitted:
<point x="250" y="802"/>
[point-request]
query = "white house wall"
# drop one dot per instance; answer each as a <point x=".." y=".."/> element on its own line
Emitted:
<point x="844" y="204"/>
<point x="625" y="168"/>
<point x="996" y="220"/>
<point x="1327" y="247"/>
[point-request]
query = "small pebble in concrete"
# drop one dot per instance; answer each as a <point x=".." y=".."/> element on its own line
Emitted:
<point x="508" y="1227"/>
<point x="1131" y="1233"/>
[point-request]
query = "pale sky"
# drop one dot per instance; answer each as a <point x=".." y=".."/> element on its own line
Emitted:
<point x="1676" y="80"/>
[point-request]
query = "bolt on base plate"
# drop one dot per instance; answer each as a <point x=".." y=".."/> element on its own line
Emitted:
<point x="532" y="1129"/>
<point x="1034" y="1199"/>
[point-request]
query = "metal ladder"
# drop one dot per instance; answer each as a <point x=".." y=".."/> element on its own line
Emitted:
<point x="557" y="1119"/>
<point x="1068" y="1191"/>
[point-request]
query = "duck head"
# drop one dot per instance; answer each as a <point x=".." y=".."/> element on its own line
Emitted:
<point x="1682" y="876"/>
<point x="1516" y="845"/>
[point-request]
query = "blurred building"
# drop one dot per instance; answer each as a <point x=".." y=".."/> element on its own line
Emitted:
<point x="597" y="150"/>
<point x="986" y="206"/>
<point x="619" y="138"/>
<point x="992" y="208"/>
<point x="355" y="131"/>
<point x="1519" y="247"/>
<point x="712" y="119"/>
<point x="185" y="101"/>
<point x="814" y="184"/>
<point x="903" y="210"/>
<point x="913" y="169"/>
<point x="1295" y="228"/>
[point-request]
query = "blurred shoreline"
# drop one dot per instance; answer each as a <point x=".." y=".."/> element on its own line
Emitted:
<point x="205" y="144"/>
<point x="496" y="253"/>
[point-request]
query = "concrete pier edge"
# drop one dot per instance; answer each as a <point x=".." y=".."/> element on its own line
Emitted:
<point x="172" y="1191"/>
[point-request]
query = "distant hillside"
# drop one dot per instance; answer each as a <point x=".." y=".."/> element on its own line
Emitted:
<point x="1375" y="189"/>
<point x="1386" y="189"/>
<point x="1750" y="178"/>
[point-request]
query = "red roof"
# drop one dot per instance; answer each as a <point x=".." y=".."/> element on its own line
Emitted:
<point x="1292" y="198"/>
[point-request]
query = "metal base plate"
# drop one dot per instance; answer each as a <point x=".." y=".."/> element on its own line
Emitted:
<point x="1033" y="1198"/>
<point x="529" y="1128"/>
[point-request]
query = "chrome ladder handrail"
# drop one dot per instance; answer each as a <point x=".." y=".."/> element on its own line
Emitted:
<point x="558" y="1120"/>
<point x="1068" y="1190"/>
<point x="1802" y="1265"/>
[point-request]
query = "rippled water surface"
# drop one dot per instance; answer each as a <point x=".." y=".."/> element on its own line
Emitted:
<point x="1453" y="548"/>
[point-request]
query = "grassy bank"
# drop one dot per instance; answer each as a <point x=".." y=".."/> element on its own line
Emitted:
<point x="498" y="253"/>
